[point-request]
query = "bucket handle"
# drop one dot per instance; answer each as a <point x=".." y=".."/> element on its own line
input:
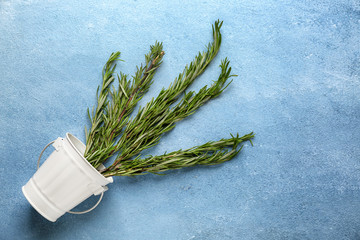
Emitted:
<point x="82" y="212"/>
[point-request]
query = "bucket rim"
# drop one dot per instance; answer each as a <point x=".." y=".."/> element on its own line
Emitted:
<point x="70" y="137"/>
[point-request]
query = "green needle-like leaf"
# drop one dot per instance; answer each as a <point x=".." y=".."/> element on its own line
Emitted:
<point x="112" y="114"/>
<point x="113" y="132"/>
<point x="210" y="153"/>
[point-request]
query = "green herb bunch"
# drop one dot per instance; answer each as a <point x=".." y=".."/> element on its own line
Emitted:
<point x="114" y="132"/>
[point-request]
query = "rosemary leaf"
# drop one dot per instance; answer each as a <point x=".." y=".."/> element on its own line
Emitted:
<point x="210" y="153"/>
<point x="114" y="112"/>
<point x="156" y="117"/>
<point x="113" y="132"/>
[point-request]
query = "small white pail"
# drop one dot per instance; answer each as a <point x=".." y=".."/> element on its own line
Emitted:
<point x="64" y="180"/>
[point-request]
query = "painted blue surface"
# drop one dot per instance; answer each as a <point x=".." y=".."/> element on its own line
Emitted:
<point x="298" y="88"/>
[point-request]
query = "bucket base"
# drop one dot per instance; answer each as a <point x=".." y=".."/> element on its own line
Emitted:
<point x="40" y="203"/>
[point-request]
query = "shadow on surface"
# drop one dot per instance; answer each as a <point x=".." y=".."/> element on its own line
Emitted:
<point x="68" y="224"/>
<point x="40" y="228"/>
<point x="73" y="225"/>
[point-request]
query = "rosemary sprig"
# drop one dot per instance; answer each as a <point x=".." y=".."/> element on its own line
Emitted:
<point x="210" y="153"/>
<point x="97" y="117"/>
<point x="156" y="117"/>
<point x="145" y="131"/>
<point x="113" y="131"/>
<point x="122" y="102"/>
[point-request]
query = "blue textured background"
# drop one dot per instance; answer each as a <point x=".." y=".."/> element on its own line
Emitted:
<point x="298" y="88"/>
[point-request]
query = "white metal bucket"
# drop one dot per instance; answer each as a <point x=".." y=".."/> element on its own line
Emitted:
<point x="64" y="180"/>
